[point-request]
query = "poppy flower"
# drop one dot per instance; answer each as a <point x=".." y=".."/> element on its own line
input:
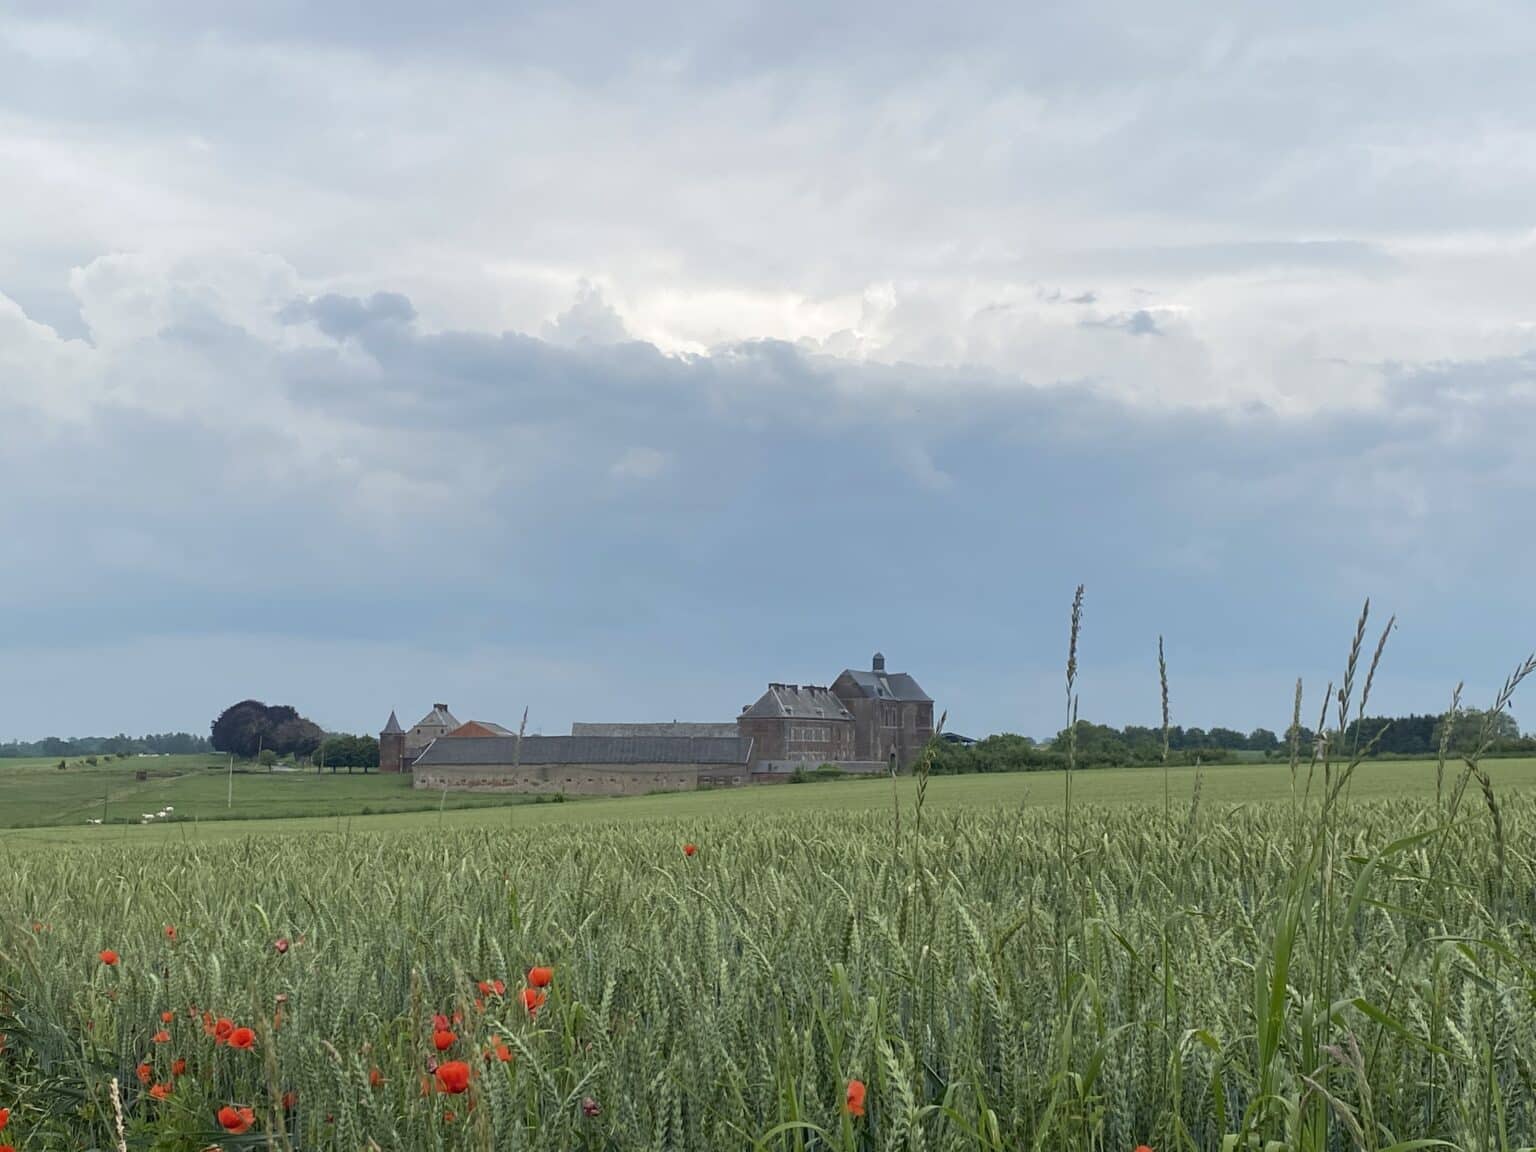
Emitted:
<point x="855" y="1097"/>
<point x="541" y="977"/>
<point x="439" y="1022"/>
<point x="443" y="1040"/>
<point x="375" y="1077"/>
<point x="108" y="957"/>
<point x="290" y="1098"/>
<point x="690" y="849"/>
<point x="590" y="1107"/>
<point x="5" y="1118"/>
<point x="167" y="1017"/>
<point x="486" y="987"/>
<point x="170" y="932"/>
<point x="145" y="1073"/>
<point x="533" y="1000"/>
<point x="1143" y="1148"/>
<point x="453" y="1077"/>
<point x="500" y="1051"/>
<point x="161" y="1091"/>
<point x="162" y="1037"/>
<point x="281" y="944"/>
<point x="7" y="1148"/>
<point x="222" y="1028"/>
<point x="236" y="1120"/>
<point x="178" y="1067"/>
<point x="242" y="1038"/>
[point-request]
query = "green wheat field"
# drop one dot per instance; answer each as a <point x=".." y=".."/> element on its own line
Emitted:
<point x="1195" y="973"/>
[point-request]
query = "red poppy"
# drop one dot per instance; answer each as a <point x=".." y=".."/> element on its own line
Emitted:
<point x="281" y="944"/>
<point x="590" y="1107"/>
<point x="178" y="1067"/>
<point x="500" y="1051"/>
<point x="290" y="1098"/>
<point x="533" y="1000"/>
<point x="855" y="1097"/>
<point x="167" y="1017"/>
<point x="161" y="1091"/>
<point x="443" y="1040"/>
<point x="162" y="1037"/>
<point x="108" y="957"/>
<point x="1143" y="1148"/>
<point x="486" y="987"/>
<point x="453" y="1077"/>
<point x="236" y="1120"/>
<point x="145" y="1073"/>
<point x="7" y="1148"/>
<point x="375" y="1077"/>
<point x="5" y="1118"/>
<point x="242" y="1038"/>
<point x="170" y="932"/>
<point x="222" y="1028"/>
<point x="541" y="977"/>
<point x="439" y="1022"/>
<point x="690" y="849"/>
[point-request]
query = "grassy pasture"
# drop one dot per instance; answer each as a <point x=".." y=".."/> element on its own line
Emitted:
<point x="36" y="792"/>
<point x="301" y="803"/>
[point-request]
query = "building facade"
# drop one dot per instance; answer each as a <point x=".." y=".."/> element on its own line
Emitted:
<point x="796" y="726"/>
<point x="892" y="715"/>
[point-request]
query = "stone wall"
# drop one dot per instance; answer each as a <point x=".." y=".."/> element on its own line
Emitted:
<point x="581" y="779"/>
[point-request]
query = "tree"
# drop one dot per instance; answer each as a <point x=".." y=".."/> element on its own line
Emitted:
<point x="1473" y="726"/>
<point x="350" y="752"/>
<point x="240" y="729"/>
<point x="296" y="737"/>
<point x="249" y="727"/>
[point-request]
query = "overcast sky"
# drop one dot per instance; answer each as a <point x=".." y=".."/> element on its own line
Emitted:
<point x="615" y="359"/>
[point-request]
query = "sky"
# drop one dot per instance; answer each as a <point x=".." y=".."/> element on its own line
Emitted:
<point x="613" y="360"/>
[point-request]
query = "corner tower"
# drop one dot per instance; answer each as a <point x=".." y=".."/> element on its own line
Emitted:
<point x="392" y="746"/>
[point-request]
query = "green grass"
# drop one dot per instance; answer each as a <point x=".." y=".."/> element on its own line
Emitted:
<point x="298" y="803"/>
<point x="35" y="793"/>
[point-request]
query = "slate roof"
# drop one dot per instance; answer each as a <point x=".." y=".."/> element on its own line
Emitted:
<point x="393" y="727"/>
<point x="801" y="701"/>
<point x="673" y="728"/>
<point x="439" y="717"/>
<point x="503" y="750"/>
<point x="887" y="685"/>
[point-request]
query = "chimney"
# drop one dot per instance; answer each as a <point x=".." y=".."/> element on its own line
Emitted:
<point x="440" y="707"/>
<point x="879" y="663"/>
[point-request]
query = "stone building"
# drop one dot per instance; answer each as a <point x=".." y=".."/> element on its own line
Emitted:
<point x="797" y="726"/>
<point x="862" y="724"/>
<point x="892" y="715"/>
<point x="584" y="765"/>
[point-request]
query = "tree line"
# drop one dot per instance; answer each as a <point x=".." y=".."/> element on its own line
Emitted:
<point x="1101" y="746"/>
<point x="162" y="744"/>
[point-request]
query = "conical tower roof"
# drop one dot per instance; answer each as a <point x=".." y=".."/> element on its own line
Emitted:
<point x="393" y="727"/>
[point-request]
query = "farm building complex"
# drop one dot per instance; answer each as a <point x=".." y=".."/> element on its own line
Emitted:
<point x="865" y="722"/>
